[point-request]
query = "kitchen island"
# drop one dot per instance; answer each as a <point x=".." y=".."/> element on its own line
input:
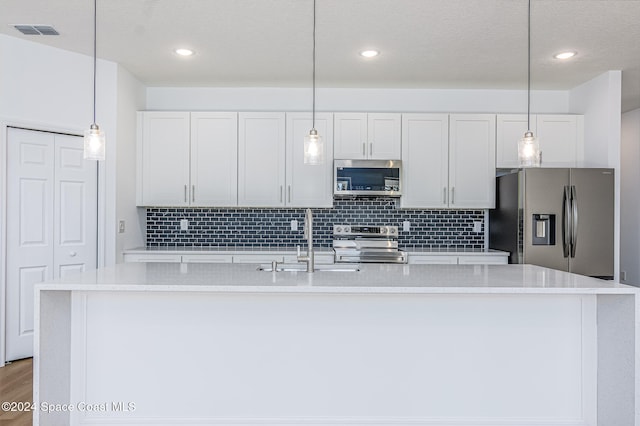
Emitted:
<point x="386" y="345"/>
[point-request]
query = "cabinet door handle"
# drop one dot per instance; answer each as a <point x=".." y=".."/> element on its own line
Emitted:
<point x="370" y="148"/>
<point x="364" y="149"/>
<point x="289" y="193"/>
<point x="453" y="195"/>
<point x="185" y="194"/>
<point x="281" y="193"/>
<point x="193" y="193"/>
<point x="444" y="195"/>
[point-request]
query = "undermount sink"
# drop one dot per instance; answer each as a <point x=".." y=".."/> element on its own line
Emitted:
<point x="302" y="267"/>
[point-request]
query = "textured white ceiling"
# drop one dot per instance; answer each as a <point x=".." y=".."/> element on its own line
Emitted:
<point x="423" y="43"/>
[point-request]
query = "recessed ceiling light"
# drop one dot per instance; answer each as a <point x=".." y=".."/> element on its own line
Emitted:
<point x="184" y="52"/>
<point x="565" y="55"/>
<point x="369" y="53"/>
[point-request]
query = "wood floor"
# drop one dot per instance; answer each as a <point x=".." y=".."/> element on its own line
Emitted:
<point x="16" y="385"/>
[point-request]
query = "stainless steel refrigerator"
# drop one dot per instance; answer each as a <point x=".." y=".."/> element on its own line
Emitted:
<point x="558" y="218"/>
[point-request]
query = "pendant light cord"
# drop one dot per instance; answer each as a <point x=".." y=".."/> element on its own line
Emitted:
<point x="95" y="23"/>
<point x="313" y="114"/>
<point x="529" y="68"/>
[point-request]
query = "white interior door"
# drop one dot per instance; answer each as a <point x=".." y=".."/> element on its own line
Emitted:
<point x="51" y="222"/>
<point x="75" y="208"/>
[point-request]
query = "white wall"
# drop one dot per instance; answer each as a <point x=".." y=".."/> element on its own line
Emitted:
<point x="45" y="88"/>
<point x="630" y="198"/>
<point x="600" y="101"/>
<point x="44" y="85"/>
<point x="404" y="100"/>
<point x="131" y="98"/>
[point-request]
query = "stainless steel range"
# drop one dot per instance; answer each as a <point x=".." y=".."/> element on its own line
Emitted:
<point x="371" y="244"/>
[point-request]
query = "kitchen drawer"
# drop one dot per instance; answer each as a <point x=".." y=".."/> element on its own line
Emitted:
<point x="207" y="258"/>
<point x="432" y="259"/>
<point x="482" y="260"/>
<point x="152" y="257"/>
<point x="257" y="258"/>
<point x="320" y="258"/>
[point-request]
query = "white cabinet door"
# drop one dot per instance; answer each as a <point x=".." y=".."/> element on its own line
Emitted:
<point x="214" y="159"/>
<point x="261" y="159"/>
<point x="472" y="160"/>
<point x="561" y="140"/>
<point x="350" y="137"/>
<point x="383" y="134"/>
<point x="163" y="158"/>
<point x="425" y="159"/>
<point x="309" y="185"/>
<point x="510" y="128"/>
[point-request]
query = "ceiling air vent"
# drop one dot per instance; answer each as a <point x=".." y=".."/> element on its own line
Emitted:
<point x="36" y="29"/>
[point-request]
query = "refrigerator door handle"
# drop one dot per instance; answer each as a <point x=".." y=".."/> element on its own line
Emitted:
<point x="574" y="221"/>
<point x="566" y="221"/>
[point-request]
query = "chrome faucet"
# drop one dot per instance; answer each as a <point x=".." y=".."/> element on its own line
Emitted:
<point x="308" y="234"/>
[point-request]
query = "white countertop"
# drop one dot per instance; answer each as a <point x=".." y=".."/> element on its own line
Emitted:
<point x="220" y="250"/>
<point x="371" y="279"/>
<point x="287" y="250"/>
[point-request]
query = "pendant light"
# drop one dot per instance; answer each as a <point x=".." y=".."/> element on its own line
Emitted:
<point x="313" y="144"/>
<point x="529" y="146"/>
<point x="94" y="138"/>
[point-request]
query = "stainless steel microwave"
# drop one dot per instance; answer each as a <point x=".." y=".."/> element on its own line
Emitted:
<point x="367" y="177"/>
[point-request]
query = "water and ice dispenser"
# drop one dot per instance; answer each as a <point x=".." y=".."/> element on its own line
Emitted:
<point x="544" y="230"/>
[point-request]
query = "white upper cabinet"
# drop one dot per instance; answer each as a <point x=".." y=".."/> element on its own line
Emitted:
<point x="448" y="161"/>
<point x="561" y="139"/>
<point x="214" y="159"/>
<point x="187" y="159"/>
<point x="308" y="185"/>
<point x="384" y="134"/>
<point x="425" y="160"/>
<point x="350" y="140"/>
<point x="510" y="128"/>
<point x="472" y="160"/>
<point x="261" y="159"/>
<point x="367" y="136"/>
<point x="163" y="159"/>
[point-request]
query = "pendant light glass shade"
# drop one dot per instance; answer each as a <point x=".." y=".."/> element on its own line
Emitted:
<point x="94" y="138"/>
<point x="94" y="143"/>
<point x="529" y="154"/>
<point x="313" y="148"/>
<point x="529" y="151"/>
<point x="313" y="144"/>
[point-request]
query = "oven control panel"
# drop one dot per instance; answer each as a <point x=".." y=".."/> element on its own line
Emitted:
<point x="363" y="231"/>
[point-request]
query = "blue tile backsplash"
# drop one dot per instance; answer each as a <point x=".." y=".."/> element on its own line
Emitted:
<point x="265" y="227"/>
